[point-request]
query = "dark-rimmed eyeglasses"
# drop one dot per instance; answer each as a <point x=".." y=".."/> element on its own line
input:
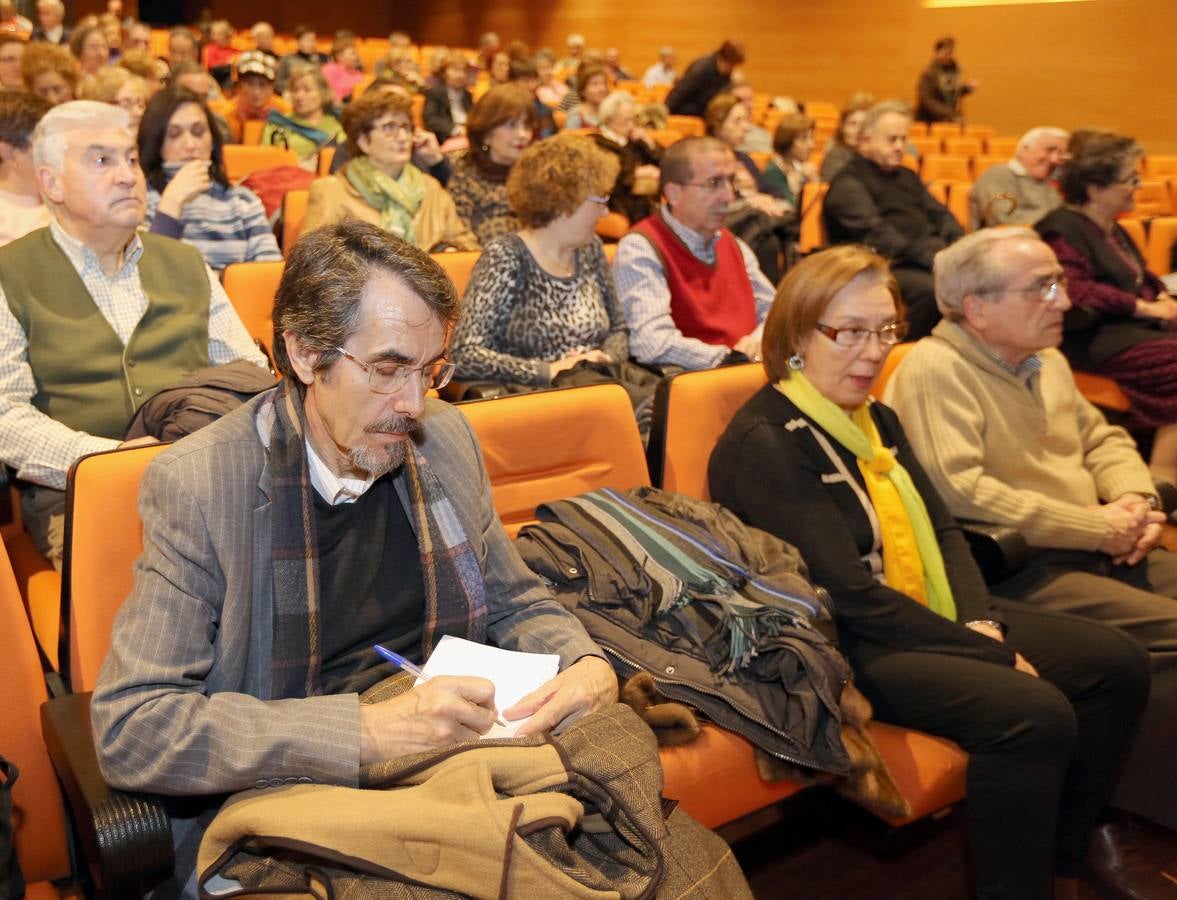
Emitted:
<point x="888" y="335"/>
<point x="388" y="378"/>
<point x="714" y="183"/>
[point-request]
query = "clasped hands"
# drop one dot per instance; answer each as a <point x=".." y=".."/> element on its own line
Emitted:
<point x="1131" y="528"/>
<point x="448" y="709"/>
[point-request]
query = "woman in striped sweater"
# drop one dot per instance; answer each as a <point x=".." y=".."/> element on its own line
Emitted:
<point x="188" y="196"/>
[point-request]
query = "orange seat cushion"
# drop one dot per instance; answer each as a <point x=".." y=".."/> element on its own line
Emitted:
<point x="1101" y="391"/>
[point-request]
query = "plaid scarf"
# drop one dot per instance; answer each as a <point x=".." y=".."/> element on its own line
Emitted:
<point x="455" y="601"/>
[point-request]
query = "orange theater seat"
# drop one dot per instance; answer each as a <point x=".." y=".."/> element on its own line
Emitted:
<point x="241" y="161"/>
<point x="326" y="157"/>
<point x="962" y="146"/>
<point x="251" y="133"/>
<point x="980" y="132"/>
<point x="458" y="266"/>
<point x="664" y="137"/>
<point x="1152" y="199"/>
<point x="944" y="129"/>
<point x="612" y="227"/>
<point x="1101" y="391"/>
<point x="294" y="213"/>
<point x="1162" y="235"/>
<point x="690" y="126"/>
<point x="890" y="364"/>
<point x="822" y="109"/>
<point x="942" y="167"/>
<point x="917" y="129"/>
<point x="251" y="287"/>
<point x="1160" y="166"/>
<point x="813" y="229"/>
<point x="924" y="145"/>
<point x="983" y="163"/>
<point x="1004" y="147"/>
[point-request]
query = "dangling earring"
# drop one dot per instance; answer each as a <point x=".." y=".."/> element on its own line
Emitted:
<point x="795" y="362"/>
<point x="485" y="148"/>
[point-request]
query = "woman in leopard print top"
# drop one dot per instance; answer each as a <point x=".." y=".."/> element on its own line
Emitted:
<point x="541" y="300"/>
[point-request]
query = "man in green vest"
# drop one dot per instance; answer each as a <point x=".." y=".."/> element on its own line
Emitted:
<point x="95" y="317"/>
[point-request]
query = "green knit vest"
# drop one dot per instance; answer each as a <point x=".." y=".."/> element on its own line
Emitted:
<point x="85" y="377"/>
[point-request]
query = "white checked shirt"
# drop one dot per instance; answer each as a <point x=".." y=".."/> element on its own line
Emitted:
<point x="645" y="298"/>
<point x="42" y="449"/>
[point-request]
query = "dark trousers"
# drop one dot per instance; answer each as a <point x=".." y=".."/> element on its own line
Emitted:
<point x="919" y="300"/>
<point x="1043" y="752"/>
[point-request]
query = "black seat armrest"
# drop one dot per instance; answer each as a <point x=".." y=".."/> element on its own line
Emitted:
<point x="125" y="838"/>
<point x="1000" y="551"/>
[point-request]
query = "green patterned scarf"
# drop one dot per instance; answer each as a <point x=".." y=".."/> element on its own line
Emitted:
<point x="397" y="199"/>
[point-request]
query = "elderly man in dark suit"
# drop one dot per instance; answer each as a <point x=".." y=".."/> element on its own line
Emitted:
<point x="339" y="510"/>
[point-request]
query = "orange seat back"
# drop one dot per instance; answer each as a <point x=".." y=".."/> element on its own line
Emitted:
<point x="242" y="160"/>
<point x="1160" y="166"/>
<point x="942" y="167"/>
<point x="1005" y="147"/>
<point x="458" y="266"/>
<point x="38" y="815"/>
<point x="1152" y="199"/>
<point x="103" y="538"/>
<point x="980" y="132"/>
<point x="294" y="213"/>
<point x="890" y="364"/>
<point x="251" y="132"/>
<point x="613" y="226"/>
<point x="693" y="409"/>
<point x="924" y="145"/>
<point x="813" y="229"/>
<point x="252" y="287"/>
<point x="1162" y="234"/>
<point x="326" y="158"/>
<point x="1135" y="229"/>
<point x="821" y="109"/>
<point x="1103" y="392"/>
<point x="549" y="445"/>
<point x="944" y="129"/>
<point x="688" y="126"/>
<point x="664" y="137"/>
<point x="963" y="146"/>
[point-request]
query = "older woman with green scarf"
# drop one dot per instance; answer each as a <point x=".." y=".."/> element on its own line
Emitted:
<point x="380" y="185"/>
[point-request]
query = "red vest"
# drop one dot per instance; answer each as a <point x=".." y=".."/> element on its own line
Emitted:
<point x="713" y="303"/>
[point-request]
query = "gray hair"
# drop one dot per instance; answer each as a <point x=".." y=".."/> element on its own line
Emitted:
<point x="969" y="267"/>
<point x="51" y="138"/>
<point x="323" y="284"/>
<point x="51" y="4"/>
<point x="613" y="104"/>
<point x="1034" y="135"/>
<point x="870" y="121"/>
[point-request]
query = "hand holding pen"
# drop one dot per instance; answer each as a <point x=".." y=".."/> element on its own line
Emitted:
<point x="415" y="670"/>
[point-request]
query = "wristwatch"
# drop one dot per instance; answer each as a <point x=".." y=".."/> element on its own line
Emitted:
<point x="999" y="627"/>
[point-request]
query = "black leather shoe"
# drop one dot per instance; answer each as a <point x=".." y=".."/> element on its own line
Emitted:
<point x="1119" y="869"/>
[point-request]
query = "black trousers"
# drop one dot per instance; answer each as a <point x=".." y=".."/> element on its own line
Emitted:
<point x="1043" y="752"/>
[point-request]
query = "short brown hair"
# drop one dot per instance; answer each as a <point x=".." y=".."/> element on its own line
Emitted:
<point x="555" y="176"/>
<point x="19" y="114"/>
<point x="325" y="277"/>
<point x="805" y="293"/>
<point x="139" y="62"/>
<point x="302" y="70"/>
<point x="586" y="73"/>
<point x="788" y="130"/>
<point x="362" y="113"/>
<point x="718" y="109"/>
<point x="40" y="57"/>
<point x="501" y="104"/>
<point x="1099" y="162"/>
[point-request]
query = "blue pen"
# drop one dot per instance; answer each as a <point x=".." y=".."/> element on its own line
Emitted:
<point x="415" y="670"/>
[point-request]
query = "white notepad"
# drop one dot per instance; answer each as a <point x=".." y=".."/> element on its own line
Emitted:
<point x="515" y="674"/>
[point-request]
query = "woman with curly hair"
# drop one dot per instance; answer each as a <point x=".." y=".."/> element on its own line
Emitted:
<point x="380" y="184"/>
<point x="50" y="72"/>
<point x="542" y="300"/>
<point x="501" y="126"/>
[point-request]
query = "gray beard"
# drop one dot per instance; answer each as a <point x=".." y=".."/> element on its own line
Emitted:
<point x="381" y="462"/>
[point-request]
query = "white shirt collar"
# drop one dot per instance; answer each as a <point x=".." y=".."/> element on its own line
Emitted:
<point x="331" y="487"/>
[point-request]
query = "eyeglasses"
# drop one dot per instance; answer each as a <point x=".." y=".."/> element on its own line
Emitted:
<point x="1132" y="180"/>
<point x="392" y="129"/>
<point x="714" y="183"/>
<point x="1047" y="292"/>
<point x="593" y="198"/>
<point x="888" y="335"/>
<point x="388" y="378"/>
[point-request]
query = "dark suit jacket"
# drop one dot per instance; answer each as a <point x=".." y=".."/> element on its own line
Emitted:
<point x="437" y="116"/>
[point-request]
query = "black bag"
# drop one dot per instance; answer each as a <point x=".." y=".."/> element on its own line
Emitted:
<point x="12" y="882"/>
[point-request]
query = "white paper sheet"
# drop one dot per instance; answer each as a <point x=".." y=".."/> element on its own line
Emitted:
<point x="515" y="675"/>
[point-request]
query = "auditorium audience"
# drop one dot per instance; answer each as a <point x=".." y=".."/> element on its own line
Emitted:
<point x="154" y="72"/>
<point x="727" y="119"/>
<point x="12" y="22"/>
<point x="703" y="79"/>
<point x="662" y="72"/>
<point x="567" y="67"/>
<point x="542" y="300"/>
<point x="310" y="126"/>
<point x="635" y="194"/>
<point x="12" y="48"/>
<point x="181" y="47"/>
<point x="550" y="91"/>
<point x="1123" y="317"/>
<point x="88" y="46"/>
<point x="218" y="54"/>
<point x="613" y="67"/>
<point x="51" y="28"/>
<point x="1033" y="697"/>
<point x="138" y="38"/>
<point x="790" y="170"/>
<point x="304" y="54"/>
<point x="82" y="294"/>
<point x="941" y="90"/>
<point x="263" y="42"/>
<point x="447" y="103"/>
<point x="501" y="126"/>
<point x="381" y="186"/>
<point x="1021" y="191"/>
<point x="525" y="75"/>
<point x="49" y="71"/>
<point x="255" y="98"/>
<point x="399" y="63"/>
<point x="844" y="144"/>
<point x="119" y="86"/>
<point x="592" y="86"/>
<point x="877" y="201"/>
<point x="188" y="195"/>
<point x="995" y="416"/>
<point x="21" y="209"/>
<point x="112" y="29"/>
<point x="344" y="71"/>
<point x="692" y="292"/>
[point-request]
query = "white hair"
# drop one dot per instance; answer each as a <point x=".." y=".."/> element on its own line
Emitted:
<point x="261" y="26"/>
<point x="575" y="40"/>
<point x="870" y="121"/>
<point x="51" y="137"/>
<point x="1034" y="135"/>
<point x="613" y="104"/>
<point x="51" y="4"/>
<point x="968" y="266"/>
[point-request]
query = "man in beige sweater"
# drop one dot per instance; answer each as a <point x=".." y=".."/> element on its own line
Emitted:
<point x="993" y="413"/>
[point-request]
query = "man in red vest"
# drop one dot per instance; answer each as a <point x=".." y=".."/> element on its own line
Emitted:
<point x="692" y="292"/>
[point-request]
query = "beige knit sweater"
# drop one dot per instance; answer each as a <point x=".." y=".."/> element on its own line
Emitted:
<point x="1034" y="458"/>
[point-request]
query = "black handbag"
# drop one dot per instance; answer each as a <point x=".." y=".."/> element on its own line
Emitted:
<point x="12" y="882"/>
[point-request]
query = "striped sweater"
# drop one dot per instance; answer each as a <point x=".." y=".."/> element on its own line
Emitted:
<point x="227" y="225"/>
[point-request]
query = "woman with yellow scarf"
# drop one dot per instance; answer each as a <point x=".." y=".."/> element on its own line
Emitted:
<point x="380" y="185"/>
<point x="1043" y="703"/>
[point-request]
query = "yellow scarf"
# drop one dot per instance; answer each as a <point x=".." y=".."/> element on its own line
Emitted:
<point x="912" y="563"/>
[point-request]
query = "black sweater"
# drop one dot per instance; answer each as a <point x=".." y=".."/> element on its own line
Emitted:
<point x="774" y="479"/>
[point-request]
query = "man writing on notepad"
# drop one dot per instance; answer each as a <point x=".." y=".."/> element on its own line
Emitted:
<point x="340" y="510"/>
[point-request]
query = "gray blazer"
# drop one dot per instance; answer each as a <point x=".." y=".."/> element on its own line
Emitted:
<point x="181" y="706"/>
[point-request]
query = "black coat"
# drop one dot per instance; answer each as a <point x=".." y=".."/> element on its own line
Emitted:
<point x="437" y="115"/>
